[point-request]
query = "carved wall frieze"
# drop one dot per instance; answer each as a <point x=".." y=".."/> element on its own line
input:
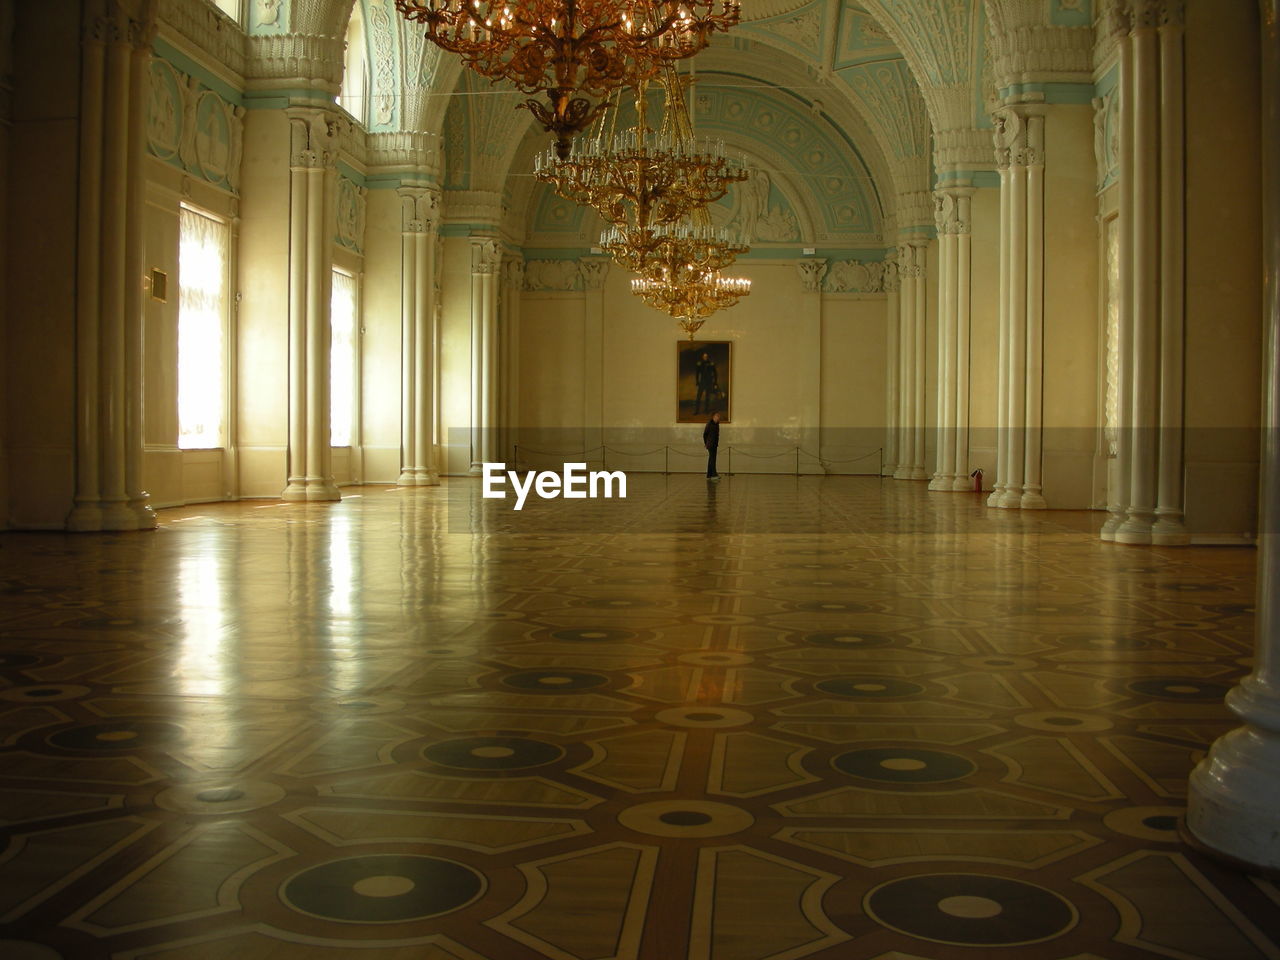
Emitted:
<point x="192" y="127"/>
<point x="1106" y="137"/>
<point x="914" y="209"/>
<point x="552" y="275"/>
<point x="855" y="276"/>
<point x="1042" y="54"/>
<point x="351" y="205"/>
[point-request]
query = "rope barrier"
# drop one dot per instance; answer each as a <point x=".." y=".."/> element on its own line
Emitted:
<point x="667" y="450"/>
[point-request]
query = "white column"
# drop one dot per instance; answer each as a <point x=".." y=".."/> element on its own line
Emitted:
<point x="1000" y="489"/>
<point x="509" y="335"/>
<point x="1033" y="158"/>
<point x="420" y="208"/>
<point x="1231" y="806"/>
<point x="114" y="97"/>
<point x="921" y="314"/>
<point x="1016" y="294"/>
<point x="1122" y="473"/>
<point x="593" y="271"/>
<point x="1168" y="529"/>
<point x="893" y="366"/>
<point x="486" y="254"/>
<point x="945" y="451"/>
<point x="312" y="202"/>
<point x="808" y="335"/>
<point x="963" y="272"/>
<point x="907" y="368"/>
<point x="1144" y="261"/>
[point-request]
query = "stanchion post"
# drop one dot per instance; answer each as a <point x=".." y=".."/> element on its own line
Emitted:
<point x="797" y="461"/>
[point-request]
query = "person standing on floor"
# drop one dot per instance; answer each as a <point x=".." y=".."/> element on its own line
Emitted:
<point x="711" y="440"/>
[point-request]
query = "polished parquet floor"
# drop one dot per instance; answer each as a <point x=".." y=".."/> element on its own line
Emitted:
<point x="833" y="719"/>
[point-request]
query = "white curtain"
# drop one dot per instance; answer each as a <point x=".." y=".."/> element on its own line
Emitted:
<point x="342" y="360"/>
<point x="202" y="311"/>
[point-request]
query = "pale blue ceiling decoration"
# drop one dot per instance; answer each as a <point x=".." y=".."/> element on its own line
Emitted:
<point x="1071" y="13"/>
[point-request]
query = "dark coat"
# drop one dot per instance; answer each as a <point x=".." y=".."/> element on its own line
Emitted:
<point x="711" y="434"/>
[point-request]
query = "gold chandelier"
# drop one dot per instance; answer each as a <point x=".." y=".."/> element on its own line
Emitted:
<point x="571" y="50"/>
<point x="692" y="246"/>
<point x="639" y="178"/>
<point x="690" y="302"/>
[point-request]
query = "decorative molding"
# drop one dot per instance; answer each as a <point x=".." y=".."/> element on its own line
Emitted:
<point x="296" y="57"/>
<point x="1018" y="137"/>
<point x="474" y="206"/>
<point x="915" y="210"/>
<point x="408" y="151"/>
<point x="811" y="272"/>
<point x="855" y="276"/>
<point x="962" y="149"/>
<point x="315" y="137"/>
<point x="385" y="76"/>
<point x="351" y="214"/>
<point x="419" y="209"/>
<point x="804" y="29"/>
<point x="116" y="22"/>
<point x="208" y="30"/>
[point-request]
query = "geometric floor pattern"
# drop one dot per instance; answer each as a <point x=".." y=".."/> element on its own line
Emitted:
<point x="832" y="719"/>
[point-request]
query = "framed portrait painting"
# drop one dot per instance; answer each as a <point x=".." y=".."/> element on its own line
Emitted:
<point x="703" y="379"/>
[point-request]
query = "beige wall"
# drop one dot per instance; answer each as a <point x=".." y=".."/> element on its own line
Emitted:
<point x="39" y="380"/>
<point x="1070" y="307"/>
<point x="780" y="395"/>
<point x="380" y="342"/>
<point x="262" y="356"/>
<point x="1224" y="309"/>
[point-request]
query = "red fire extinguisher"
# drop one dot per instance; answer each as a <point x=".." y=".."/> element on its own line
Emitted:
<point x="977" y="480"/>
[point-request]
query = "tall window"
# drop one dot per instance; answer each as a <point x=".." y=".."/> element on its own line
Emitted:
<point x="342" y="360"/>
<point x="232" y="8"/>
<point x="355" y="69"/>
<point x="202" y="313"/>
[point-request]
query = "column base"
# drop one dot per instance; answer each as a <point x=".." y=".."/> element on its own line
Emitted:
<point x="1136" y="530"/>
<point x="1168" y="531"/>
<point x="902" y="473"/>
<point x="1231" y="806"/>
<point x="418" y="477"/>
<point x="143" y="513"/>
<point x="306" y="489"/>
<point x="917" y="473"/>
<point x="85" y="518"/>
<point x="961" y="484"/>
<point x="1031" y="499"/>
<point x="996" y="498"/>
<point x="1109" y="527"/>
<point x="940" y="482"/>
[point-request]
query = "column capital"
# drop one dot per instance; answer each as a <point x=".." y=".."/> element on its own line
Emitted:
<point x="486" y="254"/>
<point x="1019" y="135"/>
<point x="811" y="272"/>
<point x="513" y="270"/>
<point x="315" y="135"/>
<point x="131" y="22"/>
<point x="419" y="209"/>
<point x="951" y="209"/>
<point x="593" y="270"/>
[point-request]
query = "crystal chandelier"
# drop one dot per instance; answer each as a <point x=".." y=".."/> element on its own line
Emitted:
<point x="574" y="51"/>
<point x="639" y="178"/>
<point x="693" y="300"/>
<point x="692" y="246"/>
